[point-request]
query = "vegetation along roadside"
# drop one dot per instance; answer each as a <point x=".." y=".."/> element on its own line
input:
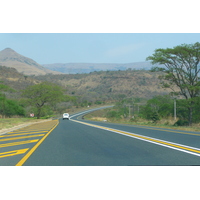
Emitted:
<point x="181" y="70"/>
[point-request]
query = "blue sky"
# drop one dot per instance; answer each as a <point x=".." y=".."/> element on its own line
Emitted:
<point x="48" y="48"/>
<point x="105" y="31"/>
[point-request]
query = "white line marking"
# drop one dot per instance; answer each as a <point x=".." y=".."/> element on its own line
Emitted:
<point x="137" y="136"/>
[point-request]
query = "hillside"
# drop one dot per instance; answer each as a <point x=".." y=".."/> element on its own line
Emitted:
<point x="73" y="68"/>
<point x="22" y="64"/>
<point x="109" y="85"/>
<point x="103" y="85"/>
<point x="18" y="81"/>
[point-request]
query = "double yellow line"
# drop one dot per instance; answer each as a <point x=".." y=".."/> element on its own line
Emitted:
<point x="180" y="147"/>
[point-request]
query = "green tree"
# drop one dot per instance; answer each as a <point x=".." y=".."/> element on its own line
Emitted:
<point x="161" y="105"/>
<point x="12" y="108"/>
<point x="3" y="99"/>
<point x="181" y="69"/>
<point x="43" y="94"/>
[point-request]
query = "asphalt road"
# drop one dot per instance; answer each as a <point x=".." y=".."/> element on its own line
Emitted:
<point x="77" y="142"/>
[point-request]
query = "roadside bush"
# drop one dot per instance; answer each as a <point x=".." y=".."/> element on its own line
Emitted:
<point x="10" y="108"/>
<point x="155" y="117"/>
<point x="181" y="122"/>
<point x="113" y="114"/>
<point x="98" y="102"/>
<point x="132" y="120"/>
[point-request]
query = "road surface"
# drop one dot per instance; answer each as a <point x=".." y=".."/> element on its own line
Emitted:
<point x="78" y="142"/>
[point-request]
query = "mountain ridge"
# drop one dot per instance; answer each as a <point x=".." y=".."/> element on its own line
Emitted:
<point x="27" y="66"/>
<point x="73" y="68"/>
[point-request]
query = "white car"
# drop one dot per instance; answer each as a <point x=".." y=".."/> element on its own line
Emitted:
<point x="66" y="116"/>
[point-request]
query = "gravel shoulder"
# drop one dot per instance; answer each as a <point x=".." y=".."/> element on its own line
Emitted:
<point x="22" y="125"/>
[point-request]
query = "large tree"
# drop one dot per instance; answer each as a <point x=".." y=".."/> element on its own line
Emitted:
<point x="42" y="94"/>
<point x="181" y="69"/>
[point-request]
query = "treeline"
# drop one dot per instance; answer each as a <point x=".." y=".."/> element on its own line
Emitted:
<point x="9" y="107"/>
<point x="44" y="100"/>
<point x="156" y="109"/>
<point x="181" y="74"/>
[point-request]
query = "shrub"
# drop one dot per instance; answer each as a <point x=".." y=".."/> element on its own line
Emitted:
<point x="113" y="114"/>
<point x="155" y="117"/>
<point x="181" y="122"/>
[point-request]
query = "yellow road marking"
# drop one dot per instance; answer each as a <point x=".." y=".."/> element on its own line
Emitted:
<point x="18" y="138"/>
<point x="44" y="126"/>
<point x="165" y="129"/>
<point x="24" y="131"/>
<point x="159" y="141"/>
<point x="13" y="135"/>
<point x="17" y="143"/>
<point x="191" y="149"/>
<point x="168" y="130"/>
<point x="13" y="153"/>
<point x="23" y="160"/>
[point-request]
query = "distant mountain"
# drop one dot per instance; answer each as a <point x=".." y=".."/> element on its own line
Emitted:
<point x="22" y="64"/>
<point x="27" y="66"/>
<point x="73" y="68"/>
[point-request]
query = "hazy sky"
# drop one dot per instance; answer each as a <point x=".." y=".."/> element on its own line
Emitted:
<point x="47" y="48"/>
<point x="105" y="31"/>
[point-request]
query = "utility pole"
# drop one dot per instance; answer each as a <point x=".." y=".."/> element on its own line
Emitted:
<point x="174" y="108"/>
<point x="129" y="109"/>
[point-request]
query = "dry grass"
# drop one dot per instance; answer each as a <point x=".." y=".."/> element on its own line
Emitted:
<point x="164" y="123"/>
<point x="99" y="119"/>
<point x="11" y="122"/>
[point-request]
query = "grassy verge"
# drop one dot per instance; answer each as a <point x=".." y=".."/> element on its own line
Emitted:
<point x="11" y="122"/>
<point x="100" y="115"/>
